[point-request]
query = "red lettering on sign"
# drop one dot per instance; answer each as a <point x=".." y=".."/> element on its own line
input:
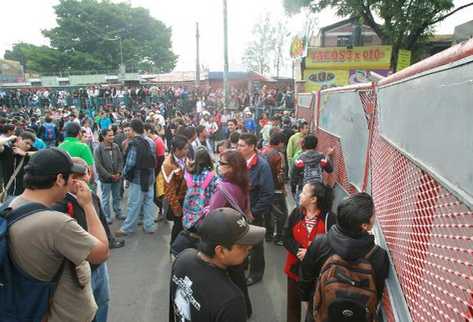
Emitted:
<point x="349" y="55"/>
<point x="334" y="55"/>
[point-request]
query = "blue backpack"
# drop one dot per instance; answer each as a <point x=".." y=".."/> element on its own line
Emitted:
<point x="22" y="297"/>
<point x="49" y="132"/>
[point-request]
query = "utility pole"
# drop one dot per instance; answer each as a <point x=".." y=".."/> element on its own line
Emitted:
<point x="225" y="55"/>
<point x="197" y="60"/>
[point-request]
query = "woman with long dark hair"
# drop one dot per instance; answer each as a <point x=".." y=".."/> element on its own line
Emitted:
<point x="232" y="191"/>
<point x="201" y="183"/>
<point x="311" y="219"/>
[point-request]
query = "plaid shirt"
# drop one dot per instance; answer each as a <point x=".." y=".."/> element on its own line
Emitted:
<point x="131" y="162"/>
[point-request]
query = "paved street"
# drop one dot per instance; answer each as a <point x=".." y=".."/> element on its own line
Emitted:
<point x="140" y="280"/>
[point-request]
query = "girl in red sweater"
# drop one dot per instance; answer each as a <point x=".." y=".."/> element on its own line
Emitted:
<point x="311" y="219"/>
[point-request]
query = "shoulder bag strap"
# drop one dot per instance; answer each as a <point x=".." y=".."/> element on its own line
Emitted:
<point x="371" y="252"/>
<point x="14" y="174"/>
<point x="230" y="199"/>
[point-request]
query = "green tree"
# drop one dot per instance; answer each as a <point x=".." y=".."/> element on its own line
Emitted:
<point x="258" y="54"/>
<point x="88" y="38"/>
<point x="97" y="28"/>
<point x="406" y="23"/>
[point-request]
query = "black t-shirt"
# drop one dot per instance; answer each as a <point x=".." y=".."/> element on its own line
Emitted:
<point x="201" y="292"/>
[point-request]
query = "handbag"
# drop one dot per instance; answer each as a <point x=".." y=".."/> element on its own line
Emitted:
<point x="3" y="194"/>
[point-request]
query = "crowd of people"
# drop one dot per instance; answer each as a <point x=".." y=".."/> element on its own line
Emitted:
<point x="222" y="178"/>
<point x="134" y="96"/>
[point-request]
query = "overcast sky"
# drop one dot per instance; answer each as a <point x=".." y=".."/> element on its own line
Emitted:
<point x="23" y="20"/>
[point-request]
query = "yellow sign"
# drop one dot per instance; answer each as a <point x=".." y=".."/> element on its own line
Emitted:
<point x="403" y="59"/>
<point x="297" y="47"/>
<point x="316" y="79"/>
<point x="372" y="57"/>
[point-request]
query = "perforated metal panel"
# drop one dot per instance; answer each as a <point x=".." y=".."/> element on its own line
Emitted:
<point x="429" y="234"/>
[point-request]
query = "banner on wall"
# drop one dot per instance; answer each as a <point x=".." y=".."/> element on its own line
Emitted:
<point x="316" y="79"/>
<point x="370" y="57"/>
<point x="403" y="59"/>
<point x="297" y="49"/>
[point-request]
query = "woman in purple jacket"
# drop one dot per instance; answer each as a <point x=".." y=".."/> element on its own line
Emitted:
<point x="232" y="191"/>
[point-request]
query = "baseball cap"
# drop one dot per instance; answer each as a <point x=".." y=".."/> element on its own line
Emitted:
<point x="52" y="161"/>
<point x="228" y="226"/>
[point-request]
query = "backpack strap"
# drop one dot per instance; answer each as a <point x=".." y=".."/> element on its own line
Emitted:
<point x="205" y="184"/>
<point x="207" y="180"/>
<point x="371" y="252"/>
<point x="24" y="211"/>
<point x="188" y="178"/>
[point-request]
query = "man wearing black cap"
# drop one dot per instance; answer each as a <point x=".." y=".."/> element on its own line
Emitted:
<point x="48" y="242"/>
<point x="201" y="289"/>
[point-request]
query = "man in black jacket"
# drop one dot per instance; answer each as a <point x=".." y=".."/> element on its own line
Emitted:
<point x="351" y="240"/>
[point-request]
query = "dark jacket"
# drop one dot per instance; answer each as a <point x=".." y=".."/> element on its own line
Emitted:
<point x="69" y="205"/>
<point x="108" y="161"/>
<point x="8" y="162"/>
<point x="349" y="248"/>
<point x="276" y="163"/>
<point x="296" y="236"/>
<point x="261" y="189"/>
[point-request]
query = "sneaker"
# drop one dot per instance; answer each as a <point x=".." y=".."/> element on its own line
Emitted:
<point x="279" y="242"/>
<point x="120" y="233"/>
<point x="116" y="243"/>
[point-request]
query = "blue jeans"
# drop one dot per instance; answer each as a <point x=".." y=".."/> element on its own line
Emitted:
<point x="101" y="290"/>
<point x="108" y="188"/>
<point x="136" y="200"/>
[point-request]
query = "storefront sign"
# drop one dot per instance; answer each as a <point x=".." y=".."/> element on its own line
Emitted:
<point x="317" y="79"/>
<point x="373" y="57"/>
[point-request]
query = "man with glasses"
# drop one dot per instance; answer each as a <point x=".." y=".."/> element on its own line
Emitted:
<point x="261" y="198"/>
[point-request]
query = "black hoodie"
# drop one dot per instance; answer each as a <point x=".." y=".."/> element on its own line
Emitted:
<point x="349" y="248"/>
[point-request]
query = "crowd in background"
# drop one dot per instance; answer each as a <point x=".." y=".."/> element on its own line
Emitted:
<point x="134" y="96"/>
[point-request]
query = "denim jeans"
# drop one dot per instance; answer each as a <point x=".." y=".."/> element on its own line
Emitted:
<point x="136" y="200"/>
<point x="101" y="290"/>
<point x="114" y="189"/>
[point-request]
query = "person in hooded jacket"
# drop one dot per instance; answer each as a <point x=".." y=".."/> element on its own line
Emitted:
<point x="313" y="218"/>
<point x="351" y="240"/>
